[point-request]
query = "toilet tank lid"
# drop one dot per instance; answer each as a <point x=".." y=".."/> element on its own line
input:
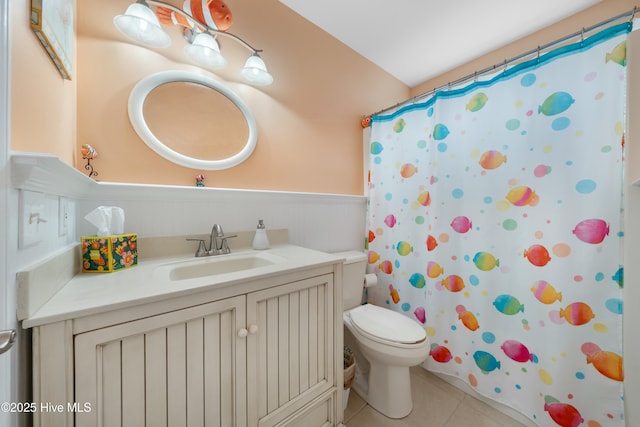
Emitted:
<point x="352" y="256"/>
<point x="387" y="324"/>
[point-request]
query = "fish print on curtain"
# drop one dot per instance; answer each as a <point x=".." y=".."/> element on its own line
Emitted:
<point x="495" y="221"/>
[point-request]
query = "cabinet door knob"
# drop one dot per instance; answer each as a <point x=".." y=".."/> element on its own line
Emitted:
<point x="242" y="333"/>
<point x="253" y="329"/>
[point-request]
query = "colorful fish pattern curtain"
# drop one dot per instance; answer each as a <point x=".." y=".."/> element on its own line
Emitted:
<point x="495" y="215"/>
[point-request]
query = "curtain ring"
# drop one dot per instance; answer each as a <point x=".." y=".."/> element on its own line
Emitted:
<point x="633" y="13"/>
<point x="582" y="37"/>
<point x="538" y="58"/>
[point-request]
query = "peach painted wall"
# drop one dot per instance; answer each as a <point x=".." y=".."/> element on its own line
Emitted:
<point x="309" y="133"/>
<point x="308" y="120"/>
<point x="42" y="102"/>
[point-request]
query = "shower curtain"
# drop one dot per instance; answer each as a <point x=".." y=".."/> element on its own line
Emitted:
<point x="494" y="220"/>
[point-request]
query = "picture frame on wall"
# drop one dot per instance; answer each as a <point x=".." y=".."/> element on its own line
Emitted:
<point x="52" y="21"/>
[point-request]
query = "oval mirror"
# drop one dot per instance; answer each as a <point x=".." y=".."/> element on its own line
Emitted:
<point x="192" y="120"/>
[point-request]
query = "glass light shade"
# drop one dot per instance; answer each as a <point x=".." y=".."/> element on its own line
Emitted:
<point x="141" y="24"/>
<point x="204" y="50"/>
<point x="255" y="71"/>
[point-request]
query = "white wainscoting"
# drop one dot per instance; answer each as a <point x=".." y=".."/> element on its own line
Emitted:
<point x="327" y="222"/>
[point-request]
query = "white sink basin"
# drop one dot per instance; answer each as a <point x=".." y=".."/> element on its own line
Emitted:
<point x="222" y="264"/>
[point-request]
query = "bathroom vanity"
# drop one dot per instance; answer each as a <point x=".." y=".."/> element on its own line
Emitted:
<point x="252" y="338"/>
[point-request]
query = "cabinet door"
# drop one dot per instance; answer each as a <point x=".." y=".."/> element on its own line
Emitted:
<point x="291" y="352"/>
<point x="184" y="368"/>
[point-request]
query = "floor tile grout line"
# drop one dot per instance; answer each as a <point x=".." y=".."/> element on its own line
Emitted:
<point x="449" y="418"/>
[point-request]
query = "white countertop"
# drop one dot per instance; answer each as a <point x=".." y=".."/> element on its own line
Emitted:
<point x="149" y="281"/>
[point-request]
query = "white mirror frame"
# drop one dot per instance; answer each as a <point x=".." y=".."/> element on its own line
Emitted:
<point x="136" y="116"/>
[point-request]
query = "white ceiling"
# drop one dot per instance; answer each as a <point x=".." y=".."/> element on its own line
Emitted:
<point x="416" y="40"/>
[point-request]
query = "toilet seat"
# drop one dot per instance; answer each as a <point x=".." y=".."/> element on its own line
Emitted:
<point x="386" y="326"/>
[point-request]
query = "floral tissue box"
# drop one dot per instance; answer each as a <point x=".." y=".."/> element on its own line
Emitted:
<point x="104" y="254"/>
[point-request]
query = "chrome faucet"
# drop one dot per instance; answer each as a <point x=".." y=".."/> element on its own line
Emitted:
<point x="217" y="233"/>
<point x="215" y="248"/>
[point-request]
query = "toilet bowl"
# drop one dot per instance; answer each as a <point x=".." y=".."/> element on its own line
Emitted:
<point x="386" y="344"/>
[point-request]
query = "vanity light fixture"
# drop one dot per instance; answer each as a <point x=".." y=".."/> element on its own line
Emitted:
<point x="141" y="24"/>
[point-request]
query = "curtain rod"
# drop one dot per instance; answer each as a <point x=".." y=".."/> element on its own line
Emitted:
<point x="506" y="62"/>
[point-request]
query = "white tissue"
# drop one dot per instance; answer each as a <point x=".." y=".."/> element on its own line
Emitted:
<point x="108" y="220"/>
<point x="370" y="280"/>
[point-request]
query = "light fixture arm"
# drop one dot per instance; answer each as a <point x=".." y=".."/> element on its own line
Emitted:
<point x="200" y="25"/>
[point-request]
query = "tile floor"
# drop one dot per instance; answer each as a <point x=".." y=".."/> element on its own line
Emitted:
<point x="436" y="403"/>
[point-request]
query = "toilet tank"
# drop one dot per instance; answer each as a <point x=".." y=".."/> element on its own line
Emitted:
<point x="354" y="269"/>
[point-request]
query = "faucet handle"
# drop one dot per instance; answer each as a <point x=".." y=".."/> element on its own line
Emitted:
<point x="202" y="247"/>
<point x="224" y="248"/>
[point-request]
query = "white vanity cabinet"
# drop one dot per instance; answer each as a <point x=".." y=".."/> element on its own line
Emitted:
<point x="262" y="353"/>
<point x="186" y="367"/>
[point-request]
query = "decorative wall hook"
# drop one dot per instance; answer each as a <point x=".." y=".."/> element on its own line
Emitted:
<point x="89" y="153"/>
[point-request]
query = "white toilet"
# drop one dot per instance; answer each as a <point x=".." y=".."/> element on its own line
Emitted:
<point x="385" y="343"/>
